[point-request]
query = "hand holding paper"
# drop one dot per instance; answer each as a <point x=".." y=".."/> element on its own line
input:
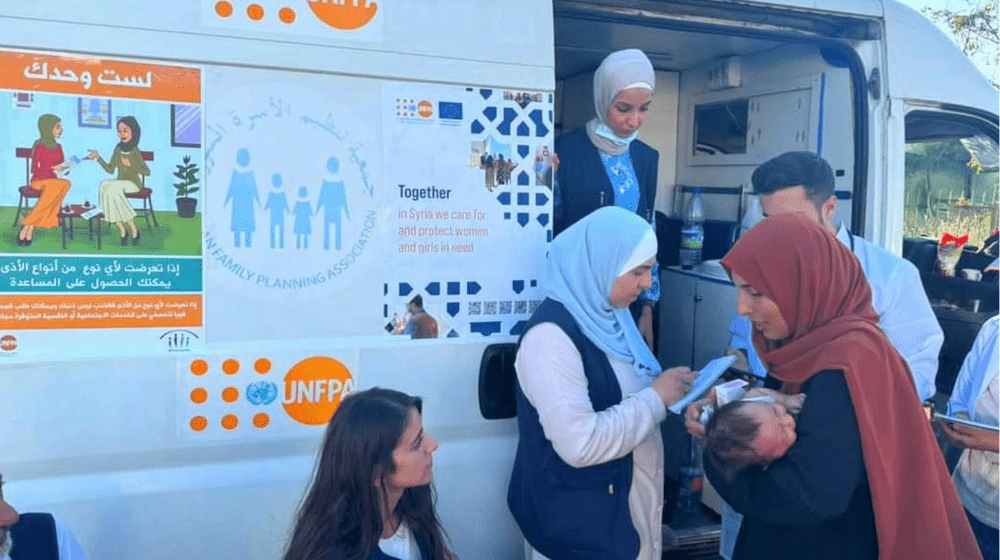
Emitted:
<point x="673" y="383"/>
<point x="706" y="378"/>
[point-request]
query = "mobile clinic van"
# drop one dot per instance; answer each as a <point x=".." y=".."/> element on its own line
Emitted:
<point x="309" y="168"/>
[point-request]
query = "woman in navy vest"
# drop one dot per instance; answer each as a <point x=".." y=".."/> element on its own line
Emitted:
<point x="603" y="164"/>
<point x="375" y="435"/>
<point x="587" y="481"/>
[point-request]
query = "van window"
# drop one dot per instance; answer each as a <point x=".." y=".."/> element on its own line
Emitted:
<point x="951" y="177"/>
<point x="721" y="128"/>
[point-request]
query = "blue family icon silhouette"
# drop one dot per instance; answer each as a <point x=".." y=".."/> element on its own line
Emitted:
<point x="277" y="203"/>
<point x="243" y="193"/>
<point x="303" y="219"/>
<point x="333" y="198"/>
<point x="331" y="206"/>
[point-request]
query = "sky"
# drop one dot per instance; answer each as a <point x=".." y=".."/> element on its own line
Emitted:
<point x="979" y="60"/>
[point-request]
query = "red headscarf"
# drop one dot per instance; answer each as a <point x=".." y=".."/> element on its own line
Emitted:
<point x="822" y="294"/>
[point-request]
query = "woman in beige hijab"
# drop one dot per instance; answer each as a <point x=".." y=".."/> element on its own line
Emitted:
<point x="603" y="164"/>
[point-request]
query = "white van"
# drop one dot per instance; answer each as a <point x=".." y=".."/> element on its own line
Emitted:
<point x="143" y="413"/>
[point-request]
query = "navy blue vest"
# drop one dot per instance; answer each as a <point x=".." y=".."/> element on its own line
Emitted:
<point x="584" y="185"/>
<point x="34" y="538"/>
<point x="569" y="513"/>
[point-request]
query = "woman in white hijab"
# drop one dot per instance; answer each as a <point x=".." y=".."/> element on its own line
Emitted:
<point x="603" y="164"/>
<point x="587" y="481"/>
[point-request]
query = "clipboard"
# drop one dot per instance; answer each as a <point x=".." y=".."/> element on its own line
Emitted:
<point x="707" y="377"/>
<point x="965" y="422"/>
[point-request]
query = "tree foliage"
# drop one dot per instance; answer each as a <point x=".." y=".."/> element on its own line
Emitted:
<point x="975" y="27"/>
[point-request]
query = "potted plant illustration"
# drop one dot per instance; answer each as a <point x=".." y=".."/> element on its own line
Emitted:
<point x="187" y="173"/>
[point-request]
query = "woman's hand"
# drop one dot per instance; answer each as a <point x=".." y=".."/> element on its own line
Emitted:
<point x="93" y="154"/>
<point x="691" y="416"/>
<point x="673" y="384"/>
<point x="971" y="438"/>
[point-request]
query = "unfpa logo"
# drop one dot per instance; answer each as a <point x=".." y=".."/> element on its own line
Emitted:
<point x="314" y="388"/>
<point x="344" y="14"/>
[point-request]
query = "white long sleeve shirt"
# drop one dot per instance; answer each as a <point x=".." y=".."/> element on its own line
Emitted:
<point x="550" y="371"/>
<point x="904" y="311"/>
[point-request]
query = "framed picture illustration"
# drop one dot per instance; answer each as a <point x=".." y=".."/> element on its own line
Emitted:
<point x="94" y="113"/>
<point x="185" y="126"/>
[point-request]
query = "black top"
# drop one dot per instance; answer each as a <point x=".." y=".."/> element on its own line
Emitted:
<point x="815" y="501"/>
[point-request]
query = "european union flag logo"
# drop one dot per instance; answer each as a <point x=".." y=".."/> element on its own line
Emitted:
<point x="450" y="110"/>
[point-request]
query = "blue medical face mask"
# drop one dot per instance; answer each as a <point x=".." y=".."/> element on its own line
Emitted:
<point x="604" y="131"/>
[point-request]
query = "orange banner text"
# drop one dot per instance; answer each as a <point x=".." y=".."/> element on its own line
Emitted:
<point x="35" y="72"/>
<point x="24" y="312"/>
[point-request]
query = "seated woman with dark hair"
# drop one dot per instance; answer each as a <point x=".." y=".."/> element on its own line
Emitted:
<point x="371" y="497"/>
<point x="864" y="477"/>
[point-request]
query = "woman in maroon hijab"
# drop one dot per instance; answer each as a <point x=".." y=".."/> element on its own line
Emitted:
<point x="864" y="477"/>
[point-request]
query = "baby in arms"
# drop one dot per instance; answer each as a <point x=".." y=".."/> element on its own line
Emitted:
<point x="754" y="430"/>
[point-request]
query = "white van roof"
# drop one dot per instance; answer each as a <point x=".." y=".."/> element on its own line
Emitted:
<point x="924" y="64"/>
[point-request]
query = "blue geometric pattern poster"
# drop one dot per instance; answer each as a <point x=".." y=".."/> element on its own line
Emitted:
<point x="468" y="189"/>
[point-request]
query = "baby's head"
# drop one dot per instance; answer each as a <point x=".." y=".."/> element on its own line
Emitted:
<point x="746" y="433"/>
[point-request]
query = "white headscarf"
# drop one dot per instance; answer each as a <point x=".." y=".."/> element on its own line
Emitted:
<point x="620" y="70"/>
<point x="584" y="262"/>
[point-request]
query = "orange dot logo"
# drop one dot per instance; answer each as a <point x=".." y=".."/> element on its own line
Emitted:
<point x="199" y="367"/>
<point x="230" y="421"/>
<point x="230" y="367"/>
<point x="8" y="343"/>
<point x="230" y="394"/>
<point x="255" y="12"/>
<point x="286" y="15"/>
<point x="314" y="388"/>
<point x="199" y="395"/>
<point x="346" y="15"/>
<point x="224" y="9"/>
<point x="262" y="366"/>
<point x="425" y="109"/>
<point x="261" y="420"/>
<point x="199" y="423"/>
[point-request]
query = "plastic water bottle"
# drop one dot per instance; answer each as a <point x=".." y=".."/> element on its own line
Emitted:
<point x="691" y="480"/>
<point x="692" y="233"/>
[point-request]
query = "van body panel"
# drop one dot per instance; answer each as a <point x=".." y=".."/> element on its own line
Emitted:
<point x="418" y="43"/>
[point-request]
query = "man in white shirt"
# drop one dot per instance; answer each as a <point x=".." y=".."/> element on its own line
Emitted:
<point x="35" y="536"/>
<point x="802" y="183"/>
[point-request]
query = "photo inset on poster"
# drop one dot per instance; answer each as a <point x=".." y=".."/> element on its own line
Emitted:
<point x="415" y="321"/>
<point x="494" y="159"/>
<point x="469" y="209"/>
<point x="543" y="166"/>
<point x="294" y="221"/>
<point x="106" y="229"/>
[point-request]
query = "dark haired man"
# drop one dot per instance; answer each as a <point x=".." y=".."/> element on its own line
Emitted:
<point x="802" y="183"/>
